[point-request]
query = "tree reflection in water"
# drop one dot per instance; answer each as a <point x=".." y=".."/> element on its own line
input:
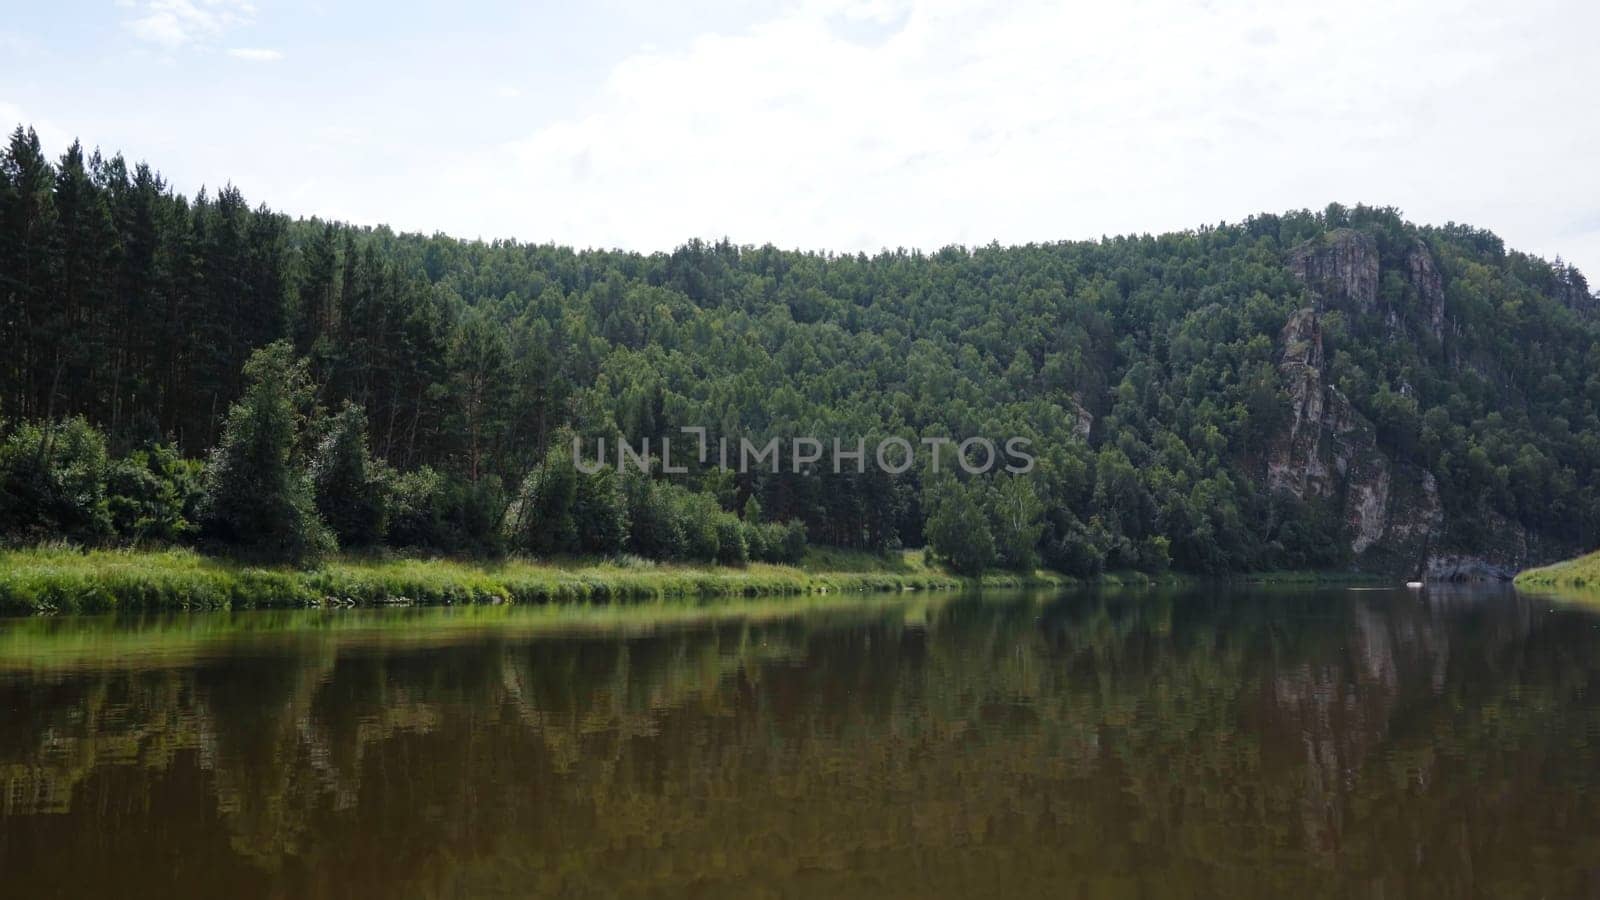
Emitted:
<point x="1205" y="743"/>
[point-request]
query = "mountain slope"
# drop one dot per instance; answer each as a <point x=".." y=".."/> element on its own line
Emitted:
<point x="1334" y="389"/>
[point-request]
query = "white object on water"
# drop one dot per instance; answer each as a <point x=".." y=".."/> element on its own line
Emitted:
<point x="1414" y="585"/>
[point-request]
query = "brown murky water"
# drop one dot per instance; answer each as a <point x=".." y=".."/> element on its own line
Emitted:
<point x="1219" y="743"/>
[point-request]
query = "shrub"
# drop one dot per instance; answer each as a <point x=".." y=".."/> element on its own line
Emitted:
<point x="755" y="541"/>
<point x="655" y="528"/>
<point x="731" y="547"/>
<point x="154" y="494"/>
<point x="53" y="482"/>
<point x="432" y="511"/>
<point x="562" y="510"/>
<point x="417" y="510"/>
<point x="701" y="517"/>
<point x="777" y="542"/>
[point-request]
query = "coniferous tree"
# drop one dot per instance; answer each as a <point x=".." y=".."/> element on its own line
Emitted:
<point x="29" y="261"/>
<point x="352" y="489"/>
<point x="1153" y="373"/>
<point x="258" y="500"/>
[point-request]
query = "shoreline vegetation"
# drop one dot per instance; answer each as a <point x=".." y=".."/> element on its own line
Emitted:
<point x="1578" y="577"/>
<point x="62" y="579"/>
<point x="206" y="372"/>
<point x="50" y="579"/>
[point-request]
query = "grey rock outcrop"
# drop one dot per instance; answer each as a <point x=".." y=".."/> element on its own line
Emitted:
<point x="1424" y="277"/>
<point x="1461" y="567"/>
<point x="1083" y="420"/>
<point x="1341" y="270"/>
<point x="1328" y="451"/>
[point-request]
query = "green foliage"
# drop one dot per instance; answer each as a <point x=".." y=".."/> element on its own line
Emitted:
<point x="417" y="511"/>
<point x="1017" y="517"/>
<point x="258" y="500"/>
<point x="432" y="511"/>
<point x="1144" y="370"/>
<point x="668" y="521"/>
<point x="561" y="510"/>
<point x="62" y="580"/>
<point x="779" y="542"/>
<point x="733" y="548"/>
<point x="701" y="518"/>
<point x="352" y="490"/>
<point x="958" y="530"/>
<point x="655" y="527"/>
<point x="154" y="495"/>
<point x="600" y="513"/>
<point x="53" y="482"/>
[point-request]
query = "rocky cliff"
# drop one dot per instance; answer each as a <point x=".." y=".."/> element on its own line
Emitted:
<point x="1328" y="452"/>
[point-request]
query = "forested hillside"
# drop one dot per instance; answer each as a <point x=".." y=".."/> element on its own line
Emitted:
<point x="1326" y="390"/>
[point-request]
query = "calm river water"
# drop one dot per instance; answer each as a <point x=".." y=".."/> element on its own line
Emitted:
<point x="1229" y="742"/>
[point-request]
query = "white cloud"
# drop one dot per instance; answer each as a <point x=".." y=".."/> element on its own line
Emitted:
<point x="255" y="54"/>
<point x="172" y="24"/>
<point x="858" y="125"/>
<point x="51" y="136"/>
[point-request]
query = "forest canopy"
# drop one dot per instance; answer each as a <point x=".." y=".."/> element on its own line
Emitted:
<point x="422" y="390"/>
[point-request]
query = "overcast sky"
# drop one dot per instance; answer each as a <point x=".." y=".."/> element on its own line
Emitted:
<point x="835" y="124"/>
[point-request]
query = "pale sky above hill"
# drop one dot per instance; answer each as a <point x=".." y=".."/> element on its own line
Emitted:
<point x="835" y="124"/>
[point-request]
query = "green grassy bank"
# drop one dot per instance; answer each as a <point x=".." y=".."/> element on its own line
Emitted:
<point x="69" y="580"/>
<point x="1575" y="576"/>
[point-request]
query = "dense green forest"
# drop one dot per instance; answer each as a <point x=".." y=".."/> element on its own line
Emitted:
<point x="1215" y="400"/>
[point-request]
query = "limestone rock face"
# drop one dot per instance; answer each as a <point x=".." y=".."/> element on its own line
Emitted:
<point x="1341" y="270"/>
<point x="1328" y="451"/>
<point x="1459" y="567"/>
<point x="1294" y="462"/>
<point x="1424" y="277"/>
<point x="1505" y="548"/>
<point x="1083" y="422"/>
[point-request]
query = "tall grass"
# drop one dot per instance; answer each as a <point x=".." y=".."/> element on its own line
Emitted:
<point x="1578" y="576"/>
<point x="62" y="579"/>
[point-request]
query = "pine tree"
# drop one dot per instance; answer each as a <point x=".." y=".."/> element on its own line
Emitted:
<point x="29" y="260"/>
<point x="258" y="500"/>
<point x="352" y="490"/>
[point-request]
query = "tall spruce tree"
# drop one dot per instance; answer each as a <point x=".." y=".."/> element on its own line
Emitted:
<point x="352" y="490"/>
<point x="258" y="499"/>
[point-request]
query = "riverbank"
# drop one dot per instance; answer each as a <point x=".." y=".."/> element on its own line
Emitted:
<point x="69" y="581"/>
<point x="1574" y="576"/>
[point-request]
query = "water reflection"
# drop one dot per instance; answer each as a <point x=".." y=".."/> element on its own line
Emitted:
<point x="1209" y="743"/>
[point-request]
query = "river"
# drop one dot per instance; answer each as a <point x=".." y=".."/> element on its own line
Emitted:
<point x="1214" y="742"/>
